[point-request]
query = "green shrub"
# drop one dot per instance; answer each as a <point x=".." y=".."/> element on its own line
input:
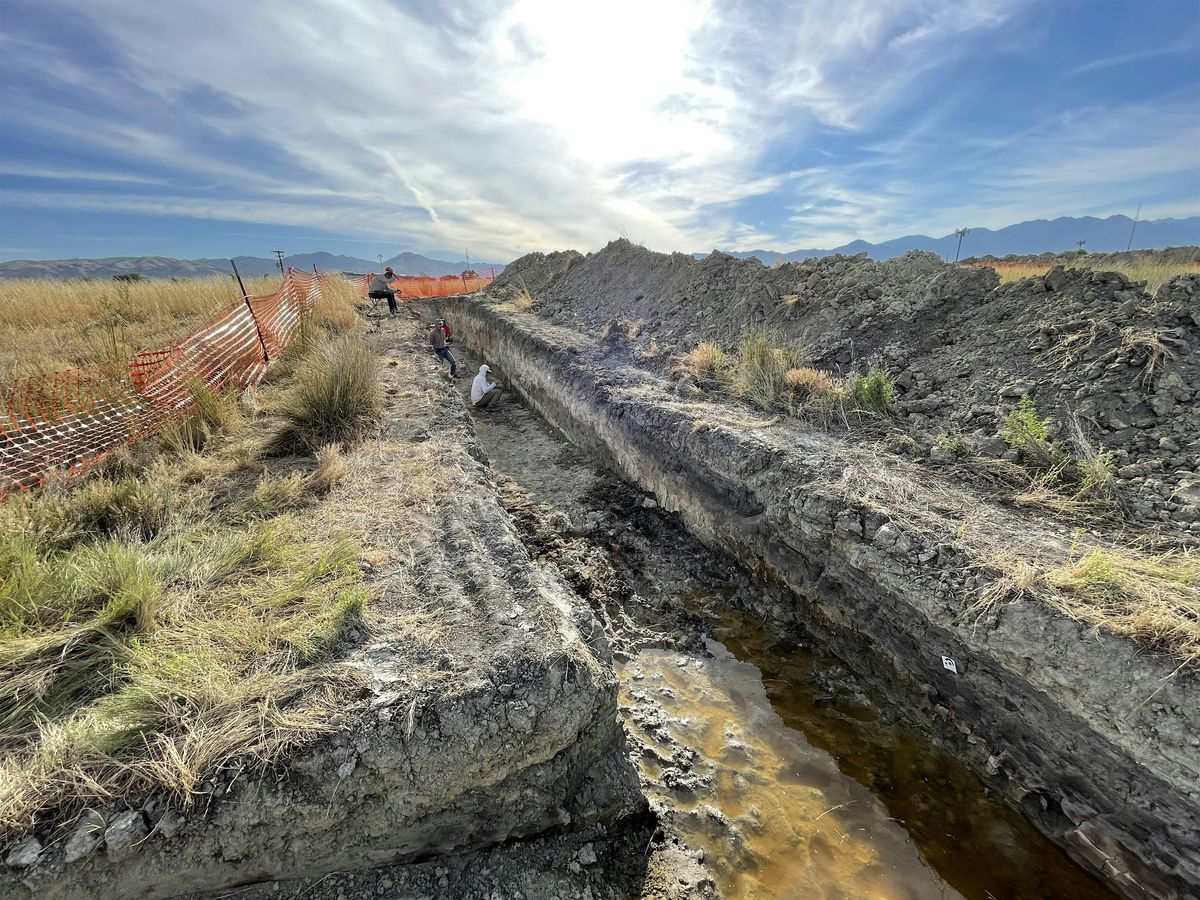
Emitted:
<point x="958" y="446"/>
<point x="1025" y="431"/>
<point x="874" y="392"/>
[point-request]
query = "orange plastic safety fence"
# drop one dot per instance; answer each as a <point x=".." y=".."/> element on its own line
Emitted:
<point x="417" y="287"/>
<point x="64" y="422"/>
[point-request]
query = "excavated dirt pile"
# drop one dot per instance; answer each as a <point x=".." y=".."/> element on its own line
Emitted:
<point x="1085" y="346"/>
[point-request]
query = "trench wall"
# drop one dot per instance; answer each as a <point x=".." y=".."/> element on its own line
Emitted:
<point x="1096" y="741"/>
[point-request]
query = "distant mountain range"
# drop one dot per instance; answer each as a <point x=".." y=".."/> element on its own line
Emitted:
<point x="249" y="266"/>
<point x="1036" y="236"/>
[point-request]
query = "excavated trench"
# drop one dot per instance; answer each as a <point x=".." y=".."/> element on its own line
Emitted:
<point x="1078" y="732"/>
<point x="764" y="758"/>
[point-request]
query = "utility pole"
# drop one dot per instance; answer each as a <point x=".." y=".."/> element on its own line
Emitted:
<point x="279" y="259"/>
<point x="1080" y="244"/>
<point x="962" y="233"/>
<point x="1136" y="216"/>
<point x="380" y="263"/>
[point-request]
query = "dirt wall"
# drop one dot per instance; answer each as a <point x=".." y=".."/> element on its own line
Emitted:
<point x="1094" y="739"/>
<point x="1083" y="345"/>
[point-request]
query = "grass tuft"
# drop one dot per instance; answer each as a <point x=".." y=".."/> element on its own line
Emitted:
<point x="759" y="373"/>
<point x="336" y="398"/>
<point x="706" y="361"/>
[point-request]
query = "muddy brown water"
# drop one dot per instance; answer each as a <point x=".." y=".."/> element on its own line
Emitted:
<point x="765" y="758"/>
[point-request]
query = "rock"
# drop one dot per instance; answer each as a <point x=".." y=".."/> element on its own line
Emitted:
<point x="1056" y="279"/>
<point x="586" y="855"/>
<point x="25" y="853"/>
<point x="170" y="824"/>
<point x="939" y="454"/>
<point x="1162" y="404"/>
<point x="1117" y="419"/>
<point x="346" y="769"/>
<point x="887" y="535"/>
<point x="993" y="446"/>
<point x="127" y="830"/>
<point x="1018" y="389"/>
<point x="649" y="503"/>
<point x="88" y="833"/>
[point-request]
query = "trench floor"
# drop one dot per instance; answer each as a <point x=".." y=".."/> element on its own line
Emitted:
<point x="763" y="758"/>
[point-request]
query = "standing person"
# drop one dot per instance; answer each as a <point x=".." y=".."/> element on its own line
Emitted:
<point x="483" y="392"/>
<point x="378" y="288"/>
<point x="445" y="329"/>
<point x="437" y="340"/>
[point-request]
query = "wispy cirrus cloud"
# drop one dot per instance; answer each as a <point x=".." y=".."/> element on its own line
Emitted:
<point x="533" y="124"/>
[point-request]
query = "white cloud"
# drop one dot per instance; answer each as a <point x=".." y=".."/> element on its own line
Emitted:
<point x="533" y="124"/>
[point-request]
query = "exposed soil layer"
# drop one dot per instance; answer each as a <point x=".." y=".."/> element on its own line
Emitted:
<point x="1086" y="346"/>
<point x="762" y="778"/>
<point x="1094" y="740"/>
<point x="493" y="719"/>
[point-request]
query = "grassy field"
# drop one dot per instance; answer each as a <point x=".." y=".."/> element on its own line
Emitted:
<point x="51" y="325"/>
<point x="1155" y="271"/>
<point x="176" y="610"/>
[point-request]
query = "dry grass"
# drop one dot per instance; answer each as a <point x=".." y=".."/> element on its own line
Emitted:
<point x="50" y="325"/>
<point x="163" y="619"/>
<point x="336" y="397"/>
<point x="1146" y="348"/>
<point x="1154" y="271"/>
<point x="521" y="299"/>
<point x="1149" y="596"/>
<point x="758" y="373"/>
<point x="706" y="361"/>
<point x="771" y="375"/>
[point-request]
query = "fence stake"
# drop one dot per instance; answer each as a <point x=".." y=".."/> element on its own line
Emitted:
<point x="253" y="317"/>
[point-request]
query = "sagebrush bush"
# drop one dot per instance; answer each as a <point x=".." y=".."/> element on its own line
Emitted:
<point x="336" y="398"/>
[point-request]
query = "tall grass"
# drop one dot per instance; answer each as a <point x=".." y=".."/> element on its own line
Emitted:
<point x="759" y="372"/>
<point x="157" y="623"/>
<point x="52" y="325"/>
<point x="771" y="374"/>
<point x="335" y="398"/>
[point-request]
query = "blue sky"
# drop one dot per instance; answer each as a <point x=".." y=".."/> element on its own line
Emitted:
<point x="143" y="127"/>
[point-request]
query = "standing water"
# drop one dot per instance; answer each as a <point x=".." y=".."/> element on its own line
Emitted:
<point x="768" y="761"/>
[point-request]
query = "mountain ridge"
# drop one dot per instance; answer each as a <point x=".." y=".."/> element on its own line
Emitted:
<point x="405" y="263"/>
<point x="1107" y="235"/>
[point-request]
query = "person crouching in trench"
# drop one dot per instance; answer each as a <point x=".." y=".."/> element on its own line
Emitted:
<point x="483" y="392"/>
<point x="437" y="340"/>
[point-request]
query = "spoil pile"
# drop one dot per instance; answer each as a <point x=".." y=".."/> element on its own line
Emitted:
<point x="1090" y="349"/>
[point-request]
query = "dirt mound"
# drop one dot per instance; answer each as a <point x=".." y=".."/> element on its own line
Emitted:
<point x="1089" y="348"/>
<point x="1171" y="255"/>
